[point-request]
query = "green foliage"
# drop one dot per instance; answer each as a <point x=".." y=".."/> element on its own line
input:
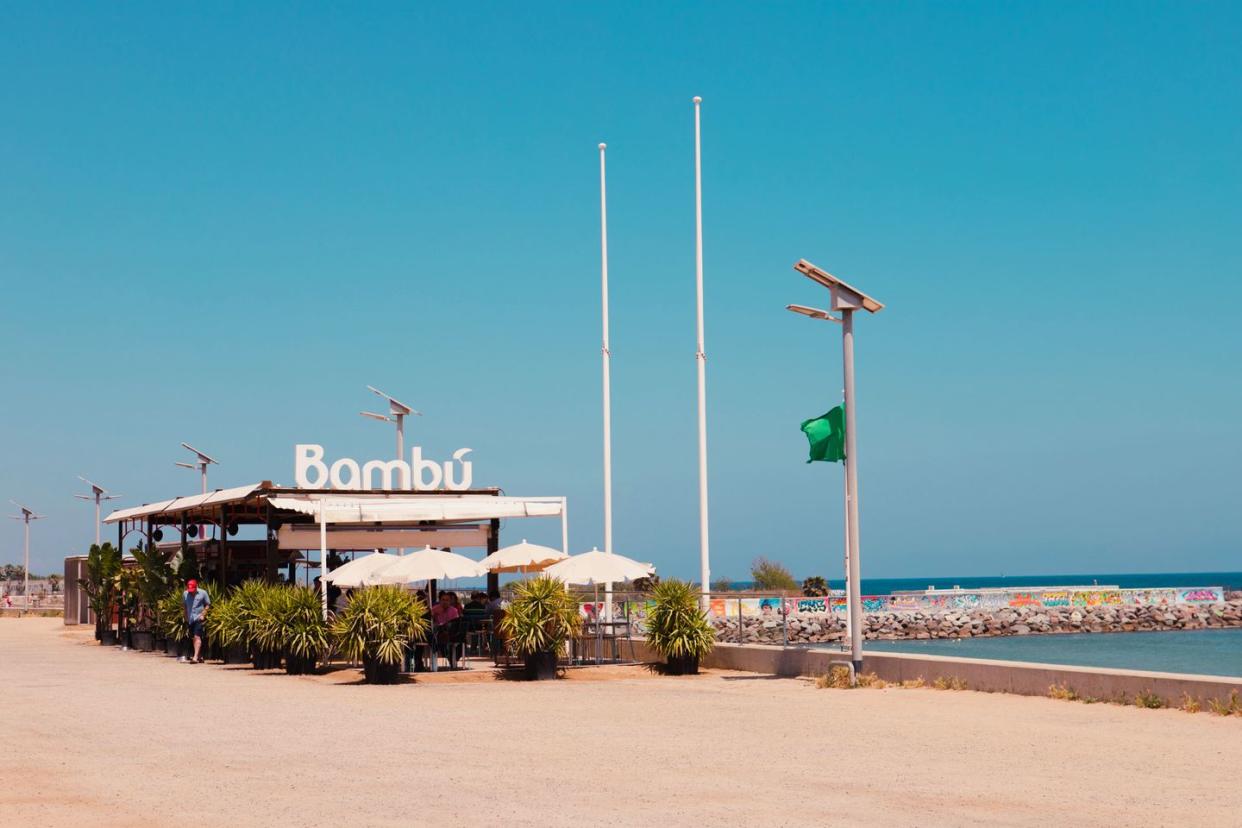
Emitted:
<point x="153" y="579"/>
<point x="170" y="616"/>
<point x="676" y="627"/>
<point x="289" y="619"/>
<point x="378" y="623"/>
<point x="1062" y="692"/>
<point x="1149" y="700"/>
<point x="103" y="565"/>
<point x="1226" y="707"/>
<point x="541" y="617"/>
<point x="722" y="585"/>
<point x="815" y="587"/>
<point x="949" y="683"/>
<point x="645" y="584"/>
<point x="770" y="576"/>
<point x="233" y="619"/>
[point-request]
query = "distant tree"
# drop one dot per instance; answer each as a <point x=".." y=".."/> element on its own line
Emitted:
<point x="770" y="576"/>
<point x="722" y="585"/>
<point x="815" y="587"/>
<point x="645" y="584"/>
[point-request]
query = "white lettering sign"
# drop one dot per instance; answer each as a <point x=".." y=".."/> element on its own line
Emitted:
<point x="311" y="472"/>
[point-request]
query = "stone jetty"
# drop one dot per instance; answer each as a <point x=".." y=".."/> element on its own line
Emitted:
<point x="814" y="628"/>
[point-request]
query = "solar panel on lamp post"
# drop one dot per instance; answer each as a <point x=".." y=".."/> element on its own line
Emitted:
<point x="845" y="300"/>
<point x="398" y="411"/>
<point x="26" y="516"/>
<point x="201" y="464"/>
<point x="98" y="493"/>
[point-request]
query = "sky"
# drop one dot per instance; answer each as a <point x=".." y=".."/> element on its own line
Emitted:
<point x="219" y="222"/>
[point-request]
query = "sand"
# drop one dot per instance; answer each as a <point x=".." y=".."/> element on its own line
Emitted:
<point x="92" y="735"/>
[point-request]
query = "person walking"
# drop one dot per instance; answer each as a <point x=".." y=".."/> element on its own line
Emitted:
<point x="196" y="602"/>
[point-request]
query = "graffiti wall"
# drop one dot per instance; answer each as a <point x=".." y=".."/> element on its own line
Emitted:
<point x="998" y="599"/>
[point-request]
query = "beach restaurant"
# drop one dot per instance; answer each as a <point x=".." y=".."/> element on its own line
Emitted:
<point x="272" y="532"/>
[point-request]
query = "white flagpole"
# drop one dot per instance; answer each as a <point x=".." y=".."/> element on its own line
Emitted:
<point x="603" y="225"/>
<point x="700" y="358"/>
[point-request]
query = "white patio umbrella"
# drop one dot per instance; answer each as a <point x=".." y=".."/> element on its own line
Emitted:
<point x="361" y="571"/>
<point x="597" y="567"/>
<point x="429" y="564"/>
<point x="522" y="557"/>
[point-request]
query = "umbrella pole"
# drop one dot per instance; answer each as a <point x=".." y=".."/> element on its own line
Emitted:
<point x="598" y="629"/>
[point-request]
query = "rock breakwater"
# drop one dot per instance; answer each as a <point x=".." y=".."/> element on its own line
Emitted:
<point x="815" y="628"/>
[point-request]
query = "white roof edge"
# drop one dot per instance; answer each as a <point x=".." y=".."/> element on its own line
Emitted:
<point x="178" y="504"/>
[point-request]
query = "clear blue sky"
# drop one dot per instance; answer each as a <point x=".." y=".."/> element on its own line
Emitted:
<point x="220" y="222"/>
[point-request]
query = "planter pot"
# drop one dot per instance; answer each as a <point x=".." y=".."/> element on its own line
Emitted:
<point x="172" y="647"/>
<point x="376" y="672"/>
<point x="541" y="666"/>
<point x="98" y="633"/>
<point x="235" y="654"/>
<point x="127" y="639"/>
<point x="107" y="638"/>
<point x="265" y="660"/>
<point x="682" y="665"/>
<point x="161" y="644"/>
<point x="299" y="665"/>
<point x="142" y="640"/>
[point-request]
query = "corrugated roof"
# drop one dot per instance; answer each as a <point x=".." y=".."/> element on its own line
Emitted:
<point x="182" y="504"/>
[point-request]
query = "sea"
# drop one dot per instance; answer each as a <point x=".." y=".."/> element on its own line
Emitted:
<point x="1204" y="652"/>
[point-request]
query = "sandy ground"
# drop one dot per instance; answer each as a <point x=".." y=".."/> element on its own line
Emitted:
<point x="94" y="736"/>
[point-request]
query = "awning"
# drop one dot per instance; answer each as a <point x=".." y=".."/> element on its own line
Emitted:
<point x="405" y="508"/>
<point x="183" y="504"/>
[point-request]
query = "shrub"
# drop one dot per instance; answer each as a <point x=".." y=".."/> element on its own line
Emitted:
<point x="170" y="616"/>
<point x="949" y="683"/>
<point x="1062" y="692"/>
<point x="676" y="627"/>
<point x="378" y="623"/>
<point x="541" y="617"/>
<point x="1190" y="705"/>
<point x="103" y="565"/>
<point x="871" y="680"/>
<point x="722" y="585"/>
<point x="1222" y="707"/>
<point x="914" y="683"/>
<point x="1149" y="700"/>
<point x="838" y="678"/>
<point x="815" y="587"/>
<point x="770" y="576"/>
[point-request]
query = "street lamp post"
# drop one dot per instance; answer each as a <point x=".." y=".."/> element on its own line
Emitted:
<point x="845" y="300"/>
<point x="25" y="517"/>
<point x="398" y="411"/>
<point x="606" y="368"/>
<point x="201" y="464"/>
<point x="98" y="493"/>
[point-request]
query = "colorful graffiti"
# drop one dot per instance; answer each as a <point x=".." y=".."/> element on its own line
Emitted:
<point x="1096" y="597"/>
<point x="1057" y="598"/>
<point x="1211" y="595"/>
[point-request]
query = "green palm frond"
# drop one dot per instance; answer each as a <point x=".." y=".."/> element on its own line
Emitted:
<point x="676" y="627"/>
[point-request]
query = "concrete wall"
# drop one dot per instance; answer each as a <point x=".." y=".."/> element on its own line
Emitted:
<point x="1022" y="678"/>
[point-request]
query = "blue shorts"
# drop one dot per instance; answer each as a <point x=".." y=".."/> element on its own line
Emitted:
<point x="196" y="629"/>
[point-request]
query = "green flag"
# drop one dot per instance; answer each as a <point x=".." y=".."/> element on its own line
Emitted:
<point x="827" y="436"/>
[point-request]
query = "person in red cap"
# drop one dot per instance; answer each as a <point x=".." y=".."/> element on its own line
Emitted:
<point x="196" y="602"/>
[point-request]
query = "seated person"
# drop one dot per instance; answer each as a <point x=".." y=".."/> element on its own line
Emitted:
<point x="477" y="602"/>
<point x="443" y="610"/>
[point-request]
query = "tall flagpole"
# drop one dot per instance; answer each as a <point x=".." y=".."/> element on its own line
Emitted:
<point x="603" y="246"/>
<point x="700" y="358"/>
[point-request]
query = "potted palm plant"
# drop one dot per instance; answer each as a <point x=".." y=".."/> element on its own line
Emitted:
<point x="171" y="614"/>
<point x="225" y="630"/>
<point x="289" y="620"/>
<point x="376" y="627"/>
<point x="538" y="622"/>
<point x="677" y="629"/>
<point x="103" y="564"/>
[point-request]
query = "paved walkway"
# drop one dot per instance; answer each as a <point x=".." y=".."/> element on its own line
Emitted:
<point x="93" y="736"/>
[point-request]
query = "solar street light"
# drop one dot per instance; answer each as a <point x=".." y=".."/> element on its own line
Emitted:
<point x="845" y="300"/>
<point x="98" y="493"/>
<point x="26" y="516"/>
<point x="397" y="414"/>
